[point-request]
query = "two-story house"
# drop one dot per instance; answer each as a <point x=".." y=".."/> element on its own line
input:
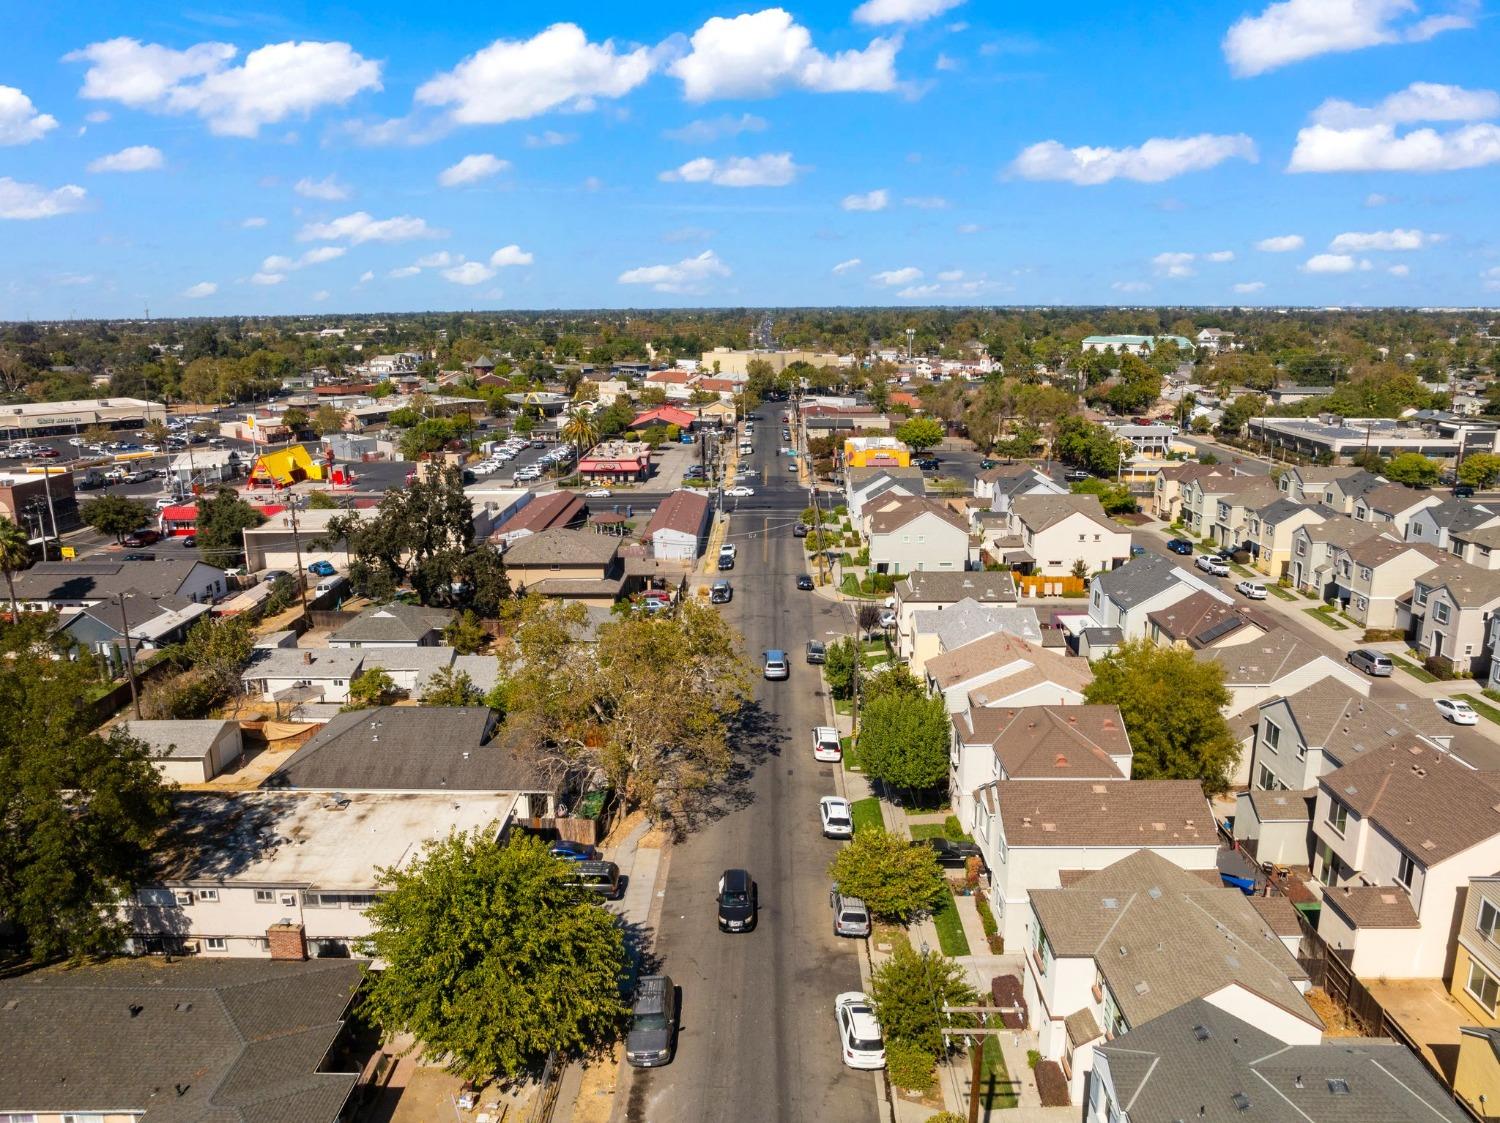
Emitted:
<point x="864" y="484"/>
<point x="936" y="631"/>
<point x="1232" y="510"/>
<point x="1125" y="598"/>
<point x="1270" y="530"/>
<point x="1201" y="621"/>
<point x="1199" y="500"/>
<point x="1372" y="576"/>
<point x="1453" y="606"/>
<point x="930" y="590"/>
<point x="1392" y="505"/>
<point x="1310" y="484"/>
<point x="1479" y="546"/>
<point x="907" y="533"/>
<point x="1434" y="525"/>
<point x="1005" y="670"/>
<point x="1062" y="533"/>
<point x="1475" y="981"/>
<point x="1344" y="491"/>
<point x="1166" y="489"/>
<point x="1315" y="548"/>
<point x="995" y="488"/>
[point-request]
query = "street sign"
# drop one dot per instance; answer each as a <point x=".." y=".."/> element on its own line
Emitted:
<point x="69" y="552"/>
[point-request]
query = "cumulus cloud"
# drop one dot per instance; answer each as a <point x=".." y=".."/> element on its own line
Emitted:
<point x="279" y="263"/>
<point x="328" y="188"/>
<point x="759" y="53"/>
<point x="253" y="222"/>
<point x="1399" y="270"/>
<point x="513" y="79"/>
<point x="690" y="275"/>
<point x="550" y="138"/>
<point x="1421" y="101"/>
<point x="895" y="277"/>
<point x="361" y="226"/>
<point x="902" y="11"/>
<point x="1293" y="30"/>
<point x="1245" y="288"/>
<point x="1281" y="243"/>
<point x="1363" y="242"/>
<point x="26" y="201"/>
<point x="511" y="255"/>
<point x="1333" y="263"/>
<point x="1219" y="256"/>
<point x="1174" y="264"/>
<point x="1130" y="286"/>
<point x="705" y="130"/>
<point x="774" y="169"/>
<point x="404" y="271"/>
<point x="876" y="200"/>
<point x="471" y="169"/>
<point x="273" y="83"/>
<point x="136" y="158"/>
<point x="1158" y="159"/>
<point x="844" y="266"/>
<point x="20" y="123"/>
<point x="367" y="276"/>
<point x="1378" y="148"/>
<point x="950" y="285"/>
<point x="440" y="260"/>
<point x="267" y="278"/>
<point x="469" y="273"/>
<point x="201" y="289"/>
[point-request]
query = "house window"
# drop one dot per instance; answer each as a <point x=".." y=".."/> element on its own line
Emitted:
<point x="1042" y="949"/>
<point x="1301" y="548"/>
<point x="215" y="943"/>
<point x="1271" y="734"/>
<point x="1482" y="986"/>
<point x="1419" y="595"/>
<point x="1268" y="781"/>
<point x="265" y="896"/>
<point x="1489" y="920"/>
<point x="208" y="894"/>
<point x="1440" y="612"/>
<point x="1338" y="817"/>
<point x="1406" y="871"/>
<point x="184" y="897"/>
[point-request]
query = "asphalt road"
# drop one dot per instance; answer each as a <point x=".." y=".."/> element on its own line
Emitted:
<point x="1238" y="459"/>
<point x="758" y="1038"/>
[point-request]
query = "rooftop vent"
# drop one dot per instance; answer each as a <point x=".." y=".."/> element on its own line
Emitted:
<point x="1241" y="1101"/>
<point x="1338" y="1086"/>
<point x="1143" y="988"/>
<point x="183" y="1007"/>
<point x="1110" y="903"/>
<point x="135" y="1009"/>
<point x="1201" y="1032"/>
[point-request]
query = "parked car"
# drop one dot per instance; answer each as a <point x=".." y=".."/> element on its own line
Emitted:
<point x="804" y="581"/>
<point x="573" y="851"/>
<point x="598" y="493"/>
<point x="1252" y="589"/>
<point x="163" y="504"/>
<point x="837" y="819"/>
<point x="887" y="617"/>
<point x="737" y="901"/>
<point x="189" y="541"/>
<point x="851" y="917"/>
<point x="721" y="592"/>
<point x="328" y="585"/>
<point x="799" y="530"/>
<point x="774" y="664"/>
<point x="1212" y="565"/>
<point x="653" y="1022"/>
<point x="1457" y="711"/>
<point x="950" y="854"/>
<point x="141" y="538"/>
<point x="1180" y="546"/>
<point x="726" y="557"/>
<point x="1374" y="663"/>
<point x="1463" y="491"/>
<point x="139" y="557"/>
<point x="322" y="569"/>
<point x="817" y="651"/>
<point x="598" y="877"/>
<point x="826" y="746"/>
<point x="860" y="1040"/>
<point x="1076" y="475"/>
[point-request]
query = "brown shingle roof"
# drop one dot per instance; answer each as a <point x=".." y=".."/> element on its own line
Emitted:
<point x="1064" y="742"/>
<point x="1202" y="618"/>
<point x="898" y="512"/>
<point x="1041" y="511"/>
<point x="683" y="510"/>
<point x="1105" y="813"/>
<point x="560" y="546"/>
<point x="1377" y="551"/>
<point x="1345" y="724"/>
<point x="1262" y="660"/>
<point x="998" y="650"/>
<point x="1468" y="585"/>
<point x="556" y="508"/>
<point x="1373" y="906"/>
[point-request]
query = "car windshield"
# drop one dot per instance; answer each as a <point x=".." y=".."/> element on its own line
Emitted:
<point x="837" y="821"/>
<point x="852" y="916"/>
<point x="651" y="1021"/>
<point x="731" y="897"/>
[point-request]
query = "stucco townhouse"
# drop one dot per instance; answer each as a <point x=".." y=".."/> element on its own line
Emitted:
<point x="1315" y="547"/>
<point x="1453" y="606"/>
<point x="1231" y="511"/>
<point x="1062" y="533"/>
<point x="1372" y="576"/>
<point x="1270" y="529"/>
<point x="1435" y="525"/>
<point x="1392" y="506"/>
<point x="905" y="534"/>
<point x="1125" y="598"/>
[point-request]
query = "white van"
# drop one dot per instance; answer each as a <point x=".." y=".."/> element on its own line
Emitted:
<point x="329" y="585"/>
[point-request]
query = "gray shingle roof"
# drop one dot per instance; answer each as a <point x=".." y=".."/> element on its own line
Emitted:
<point x="392" y="623"/>
<point x="196" y="1041"/>
<point x="1137" y="580"/>
<point x="560" y="546"/>
<point x="97" y="579"/>
<point x="177" y="740"/>
<point x="1041" y="511"/>
<point x="1345" y="724"/>
<point x="931" y="586"/>
<point x="1263" y="660"/>
<point x="968" y="620"/>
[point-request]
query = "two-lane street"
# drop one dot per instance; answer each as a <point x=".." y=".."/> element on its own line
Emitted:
<point x="757" y="1037"/>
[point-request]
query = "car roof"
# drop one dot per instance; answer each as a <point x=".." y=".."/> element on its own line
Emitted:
<point x="775" y="654"/>
<point x="736" y="879"/>
<point x="834" y="800"/>
<point x="651" y="994"/>
<point x="822" y="731"/>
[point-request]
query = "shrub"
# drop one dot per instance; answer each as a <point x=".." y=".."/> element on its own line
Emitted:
<point x="986" y="914"/>
<point x="1033" y="1058"/>
<point x="910" y="1066"/>
<point x="1383" y="635"/>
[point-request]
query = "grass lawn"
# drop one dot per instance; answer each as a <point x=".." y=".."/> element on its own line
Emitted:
<point x="866" y="814"/>
<point x="948" y="829"/>
<point x="851" y="755"/>
<point x="1327" y="618"/>
<point x="844" y="706"/>
<point x="996" y="1089"/>
<point x="1278" y="591"/>
<point x="1421" y="674"/>
<point x="1483" y="709"/>
<point x="1243" y="571"/>
<point x="950" y="928"/>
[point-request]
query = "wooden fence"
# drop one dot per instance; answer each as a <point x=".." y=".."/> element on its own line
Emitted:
<point x="1036" y="585"/>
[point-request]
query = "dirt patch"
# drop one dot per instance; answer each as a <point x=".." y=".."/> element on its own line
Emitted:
<point x="1134" y="518"/>
<point x="596" y="1095"/>
<point x="1336" y="1020"/>
<point x="623" y="827"/>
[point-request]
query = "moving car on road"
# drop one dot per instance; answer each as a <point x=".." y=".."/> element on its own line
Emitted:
<point x="1457" y="711"/>
<point x="826" y="746"/>
<point x="804" y="581"/>
<point x="1252" y="589"/>
<point x="597" y="493"/>
<point x="838" y="820"/>
<point x="141" y="538"/>
<point x="653" y="1022"/>
<point x="1211" y="565"/>
<point x="860" y="1040"/>
<point x="1374" y="663"/>
<point x="740" y="492"/>
<point x="1180" y="546"/>
<point x="726" y="556"/>
<point x="722" y="592"/>
<point x="737" y="901"/>
<point x="774" y="664"/>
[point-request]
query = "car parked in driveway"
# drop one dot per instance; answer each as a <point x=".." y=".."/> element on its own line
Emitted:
<point x="1180" y="546"/>
<point x="1374" y="663"/>
<point x="826" y="746"/>
<point x="1457" y="711"/>
<point x="1252" y="589"/>
<point x="851" y="917"/>
<point x="950" y="854"/>
<point x="1212" y="565"/>
<point x="322" y="569"/>
<point x="860" y="1040"/>
<point x="737" y="900"/>
<point x="573" y="851"/>
<point x="653" y="1022"/>
<point x="141" y="538"/>
<point x="837" y="819"/>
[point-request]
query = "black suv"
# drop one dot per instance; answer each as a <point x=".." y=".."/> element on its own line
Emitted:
<point x="653" y="1022"/>
<point x="949" y="853"/>
<point x="737" y="901"/>
<point x="804" y="581"/>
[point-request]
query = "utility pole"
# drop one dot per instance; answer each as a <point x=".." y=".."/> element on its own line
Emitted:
<point x="135" y="698"/>
<point x="297" y="546"/>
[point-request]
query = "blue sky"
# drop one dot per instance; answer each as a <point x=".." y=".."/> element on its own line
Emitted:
<point x="282" y="158"/>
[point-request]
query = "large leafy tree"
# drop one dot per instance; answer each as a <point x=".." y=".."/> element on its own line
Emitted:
<point x="15" y="555"/>
<point x="1411" y="468"/>
<point x="114" y="515"/>
<point x="494" y="958"/>
<point x="920" y="433"/>
<point x="79" y="812"/>
<point x="1479" y="469"/>
<point x="1172" y="705"/>
<point x="903" y="739"/>
<point x="447" y="687"/>
<point x="217" y="648"/>
<point x="894" y="878"/>
<point x="909" y="991"/>
<point x="223" y="518"/>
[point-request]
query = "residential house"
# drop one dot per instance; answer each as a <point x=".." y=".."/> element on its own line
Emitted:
<point x="276" y="545"/>
<point x="905" y="534"/>
<point x="1452" y="608"/>
<point x="191" y="1039"/>
<point x="302" y="674"/>
<point x="1199" y="495"/>
<point x="1343" y="492"/>
<point x="1031" y="743"/>
<point x="54" y="586"/>
<point x="1314" y="484"/>
<point x="1315" y="548"/>
<point x="1200" y="1054"/>
<point x="234" y="870"/>
<point x="1392" y="506"/>
<point x="1479" y="546"/>
<point x="1399" y="833"/>
<point x="1005" y="670"/>
<point x="189" y="752"/>
<point x="1123" y="945"/>
<point x="678" y="530"/>
<point x="1126" y="597"/>
<point x="1063" y="533"/>
<point x="1475" y="978"/>
<point x="1166" y="490"/>
<point x="1232" y="510"/>
<point x="576" y="565"/>
<point x="1031" y="831"/>
<point x="929" y="590"/>
<point x="936" y="631"/>
<point x="861" y="485"/>
<point x="155" y="623"/>
<point x="1271" y="529"/>
<point x="393" y="625"/>
<point x="410" y="668"/>
<point x="544" y="512"/>
<point x="1435" y="525"/>
<point x="1202" y="621"/>
<point x="1371" y="577"/>
<point x="998" y="487"/>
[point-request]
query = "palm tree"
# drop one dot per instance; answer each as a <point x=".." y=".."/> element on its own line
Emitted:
<point x="15" y="555"/>
<point x="581" y="430"/>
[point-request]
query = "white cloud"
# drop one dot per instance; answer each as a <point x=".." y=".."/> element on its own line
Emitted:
<point x="759" y="53"/>
<point x="328" y="189"/>
<point x="267" y="278"/>
<point x="895" y="277"/>
<point x="136" y="158"/>
<point x="20" y="123"/>
<point x="956" y="288"/>
<point x="471" y="169"/>
<point x="30" y="200"/>
<point x="1293" y="30"/>
<point x="951" y="275"/>
<point x="690" y="275"/>
<point x="511" y="255"/>
<point x="876" y="200"/>
<point x="367" y="276"/>
<point x="253" y="222"/>
<point x="1245" y="288"/>
<point x="273" y="83"/>
<point x="1219" y="256"/>
<point x="280" y="263"/>
<point x="1399" y="270"/>
<point x="593" y="183"/>
<point x="440" y="260"/>
<point x="361" y="227"/>
<point x="774" y="169"/>
<point x="945" y="62"/>
<point x="1330" y="263"/>
<point x="925" y="202"/>
<point x="902" y="11"/>
<point x="1375" y="199"/>
<point x="844" y="266"/>
<point x="550" y="138"/>
<point x="97" y="117"/>
<point x="1174" y="264"/>
<point x="1131" y="286"/>
<point x="469" y="273"/>
<point x="1421" y="101"/>
<point x="1363" y="242"/>
<point x="321" y="295"/>
<point x="201" y="289"/>
<point x="705" y="130"/>
<point x="404" y="271"/>
<point x="1373" y="148"/>
<point x="513" y="79"/>
<point x="1281" y="243"/>
<point x="1158" y="159"/>
<point x="1491" y="279"/>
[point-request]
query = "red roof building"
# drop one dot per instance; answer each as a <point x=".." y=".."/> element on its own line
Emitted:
<point x="556" y="508"/>
<point x="617" y="462"/>
<point x="663" y="415"/>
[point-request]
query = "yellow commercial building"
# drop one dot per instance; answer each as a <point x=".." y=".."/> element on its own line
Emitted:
<point x="285" y="467"/>
<point x="876" y="452"/>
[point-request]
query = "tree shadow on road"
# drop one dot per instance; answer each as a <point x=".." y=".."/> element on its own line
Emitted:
<point x="755" y="736"/>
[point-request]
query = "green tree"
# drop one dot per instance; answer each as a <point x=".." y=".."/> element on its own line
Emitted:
<point x="15" y="555"/>
<point x="79" y="812"/>
<point x="494" y="958"/>
<point x="909" y="991"/>
<point x="1411" y="468"/>
<point x="1236" y="413"/>
<point x="1479" y="469"/>
<point x="114" y="515"/>
<point x="904" y="739"/>
<point x="326" y="419"/>
<point x="1114" y="498"/>
<point x="295" y="419"/>
<point x="920" y="433"/>
<point x="371" y="687"/>
<point x="1089" y="446"/>
<point x="1172" y="705"/>
<point x="223" y="518"/>
<point x="465" y="634"/>
<point x="447" y="687"/>
<point x="581" y="430"/>
<point x="321" y="501"/>
<point x="218" y="647"/>
<point x="894" y="878"/>
<point x="838" y="667"/>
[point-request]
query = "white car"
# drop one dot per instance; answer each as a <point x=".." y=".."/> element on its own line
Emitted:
<point x="1252" y="589"/>
<point x="1457" y="711"/>
<point x="1212" y="565"/>
<point x="598" y="493"/>
<point x="860" y="1040"/>
<point x="838" y="820"/>
<point x="740" y="492"/>
<point x="826" y="747"/>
